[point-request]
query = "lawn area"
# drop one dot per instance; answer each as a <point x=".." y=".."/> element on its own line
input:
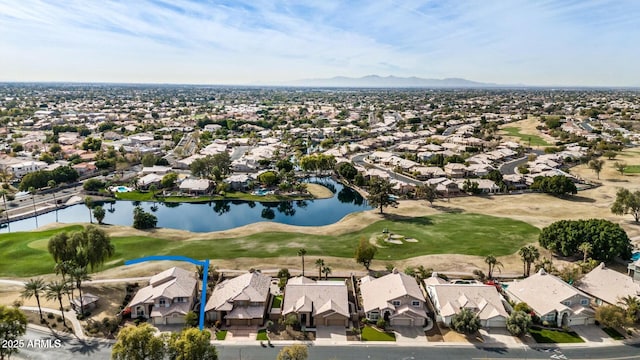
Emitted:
<point x="632" y="169"/>
<point x="549" y="336"/>
<point x="615" y="335"/>
<point x="277" y="301"/>
<point x="371" y="334"/>
<point x="451" y="233"/>
<point x="262" y="335"/>
<point x="147" y="196"/>
<point x="535" y="139"/>
<point x="221" y="334"/>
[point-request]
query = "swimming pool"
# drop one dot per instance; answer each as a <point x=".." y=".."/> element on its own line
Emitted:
<point x="635" y="256"/>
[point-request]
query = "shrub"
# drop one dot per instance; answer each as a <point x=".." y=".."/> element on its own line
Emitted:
<point x="381" y="324"/>
<point x="50" y="316"/>
<point x="59" y="318"/>
<point x="466" y="322"/>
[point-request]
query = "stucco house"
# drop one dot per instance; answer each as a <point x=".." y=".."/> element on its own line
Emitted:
<point x="395" y="297"/>
<point x="242" y="300"/>
<point x="608" y="286"/>
<point x="317" y="303"/>
<point x="169" y="296"/>
<point x="552" y="299"/>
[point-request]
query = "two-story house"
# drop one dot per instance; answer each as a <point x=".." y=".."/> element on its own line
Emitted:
<point x="170" y="295"/>
<point x="395" y="297"/>
<point x="317" y="303"/>
<point x="552" y="299"/>
<point x="242" y="300"/>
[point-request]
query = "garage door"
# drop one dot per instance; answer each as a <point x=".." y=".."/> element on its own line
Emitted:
<point x="175" y="320"/>
<point x="401" y="322"/>
<point x="335" y="322"/>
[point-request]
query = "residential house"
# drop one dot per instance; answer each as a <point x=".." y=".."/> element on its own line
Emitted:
<point x="317" y="303"/>
<point x="455" y="170"/>
<point x="242" y="300"/>
<point x="552" y="299"/>
<point x="608" y="286"/>
<point x="169" y="296"/>
<point x="150" y="179"/>
<point x="23" y="168"/>
<point x="484" y="300"/>
<point x="633" y="270"/>
<point x="395" y="297"/>
<point x="196" y="186"/>
<point x="239" y="181"/>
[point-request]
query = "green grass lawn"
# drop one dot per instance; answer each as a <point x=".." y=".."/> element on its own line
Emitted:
<point x="262" y="335"/>
<point x="147" y="196"/>
<point x="371" y="334"/>
<point x="451" y="233"/>
<point x="277" y="301"/>
<point x="615" y="335"/>
<point x="548" y="336"/>
<point x="535" y="139"/>
<point x="221" y="334"/>
<point x="632" y="169"/>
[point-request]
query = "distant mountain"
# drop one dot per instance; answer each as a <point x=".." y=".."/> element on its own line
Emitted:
<point x="375" y="81"/>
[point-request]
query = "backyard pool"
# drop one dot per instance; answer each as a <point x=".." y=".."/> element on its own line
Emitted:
<point x="635" y="256"/>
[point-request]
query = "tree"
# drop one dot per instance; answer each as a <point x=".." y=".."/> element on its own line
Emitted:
<point x="169" y="180"/>
<point x="13" y="324"/>
<point x="52" y="185"/>
<point x="143" y="219"/>
<point x="99" y="213"/>
<point x="427" y="192"/>
<point x="529" y="254"/>
<point x="284" y="165"/>
<point x="557" y="185"/>
<point x="620" y="167"/>
<point x="326" y="270"/>
<point x="191" y="344"/>
<point x="93" y="185"/>
<point x="191" y="319"/>
<point x="631" y="304"/>
<point x="471" y="187"/>
<point x="138" y="343"/>
<point x="596" y="165"/>
<point x="380" y="194"/>
<point x="34" y="288"/>
<point x="493" y="264"/>
<point x="268" y="178"/>
<point x="3" y="193"/>
<point x="79" y="274"/>
<point x="608" y="240"/>
<point x="293" y="352"/>
<point x="319" y="264"/>
<point x="302" y="252"/>
<point x="32" y="191"/>
<point x="365" y="251"/>
<point x="627" y="202"/>
<point x="148" y="160"/>
<point x="585" y="248"/>
<point x="54" y="291"/>
<point x="465" y="322"/>
<point x="88" y="202"/>
<point x="89" y="247"/>
<point x="610" y="154"/>
<point x="611" y="316"/>
<point x="346" y="170"/>
<point x="518" y="323"/>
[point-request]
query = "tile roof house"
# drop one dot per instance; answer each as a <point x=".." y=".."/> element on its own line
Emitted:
<point x="552" y="299"/>
<point x="170" y="295"/>
<point x="242" y="300"/>
<point x="395" y="297"/>
<point x="484" y="300"/>
<point x="608" y="286"/>
<point x="317" y="303"/>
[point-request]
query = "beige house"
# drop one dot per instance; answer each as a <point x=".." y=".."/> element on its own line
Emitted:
<point x="169" y="297"/>
<point x="608" y="286"/>
<point x="242" y="300"/>
<point x="553" y="299"/>
<point x="484" y="300"/>
<point x="317" y="303"/>
<point x="455" y="170"/>
<point x="395" y="297"/>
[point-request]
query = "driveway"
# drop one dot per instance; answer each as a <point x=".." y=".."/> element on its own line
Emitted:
<point x="409" y="334"/>
<point x="242" y="333"/>
<point x="333" y="334"/>
<point x="593" y="334"/>
<point x="498" y="337"/>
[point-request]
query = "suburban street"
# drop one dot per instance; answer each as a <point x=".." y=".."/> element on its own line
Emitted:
<point x="509" y="167"/>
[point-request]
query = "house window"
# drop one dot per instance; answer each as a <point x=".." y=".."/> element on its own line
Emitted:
<point x="415" y="303"/>
<point x="566" y="302"/>
<point x="584" y="302"/>
<point x="396" y="302"/>
<point x="374" y="315"/>
<point x="162" y="302"/>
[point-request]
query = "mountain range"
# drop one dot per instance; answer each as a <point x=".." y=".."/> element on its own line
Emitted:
<point x="376" y="81"/>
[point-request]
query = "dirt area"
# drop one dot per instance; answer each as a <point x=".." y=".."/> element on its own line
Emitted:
<point x="434" y="334"/>
<point x="55" y="323"/>
<point x="451" y="336"/>
<point x="318" y="191"/>
<point x="111" y="296"/>
<point x="281" y="332"/>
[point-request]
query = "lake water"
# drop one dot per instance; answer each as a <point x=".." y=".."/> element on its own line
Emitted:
<point x="218" y="215"/>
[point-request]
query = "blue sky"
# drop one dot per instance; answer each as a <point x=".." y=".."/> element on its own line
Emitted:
<point x="593" y="43"/>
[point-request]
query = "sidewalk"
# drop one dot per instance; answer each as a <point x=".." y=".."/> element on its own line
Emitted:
<point x="69" y="315"/>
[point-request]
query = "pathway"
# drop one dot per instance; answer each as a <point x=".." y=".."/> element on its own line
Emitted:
<point x="69" y="315"/>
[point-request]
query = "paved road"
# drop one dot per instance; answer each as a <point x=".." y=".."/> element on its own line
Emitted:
<point x="98" y="350"/>
<point x="509" y="167"/>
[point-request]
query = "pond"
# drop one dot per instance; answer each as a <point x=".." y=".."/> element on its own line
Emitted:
<point x="219" y="215"/>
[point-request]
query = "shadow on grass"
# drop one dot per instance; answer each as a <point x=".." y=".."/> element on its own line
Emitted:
<point x="448" y="209"/>
<point x="423" y="220"/>
<point x="617" y="180"/>
<point x="579" y="199"/>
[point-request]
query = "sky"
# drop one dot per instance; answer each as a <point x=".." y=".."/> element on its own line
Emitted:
<point x="541" y="42"/>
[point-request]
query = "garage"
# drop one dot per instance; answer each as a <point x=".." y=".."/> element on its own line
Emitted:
<point x="175" y="319"/>
<point x="402" y="322"/>
<point x="335" y="322"/>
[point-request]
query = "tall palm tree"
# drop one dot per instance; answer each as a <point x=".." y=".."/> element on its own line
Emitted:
<point x="33" y="288"/>
<point x="52" y="184"/>
<point x="302" y="252"/>
<point x="54" y="291"/>
<point x="88" y="202"/>
<point x="326" y="270"/>
<point x="80" y="274"/>
<point x="32" y="191"/>
<point x="63" y="268"/>
<point x="632" y="307"/>
<point x="319" y="264"/>
<point x="586" y="249"/>
<point x="493" y="264"/>
<point x="3" y="193"/>
<point x="529" y="254"/>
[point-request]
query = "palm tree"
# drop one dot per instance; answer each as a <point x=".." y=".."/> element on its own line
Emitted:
<point x="63" y="268"/>
<point x="326" y="270"/>
<point x="493" y="264"/>
<point x="586" y="249"/>
<point x="32" y="191"/>
<point x="632" y="307"/>
<point x="88" y="202"/>
<point x="3" y="193"/>
<point x="54" y="291"/>
<point x="34" y="287"/>
<point x="529" y="254"/>
<point x="319" y="264"/>
<point x="302" y="252"/>
<point x="78" y="275"/>
<point x="52" y="184"/>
